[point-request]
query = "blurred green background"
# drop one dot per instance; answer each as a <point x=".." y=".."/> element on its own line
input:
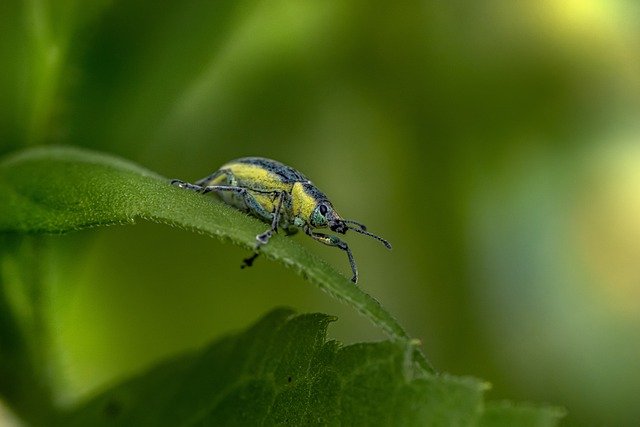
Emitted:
<point x="495" y="144"/>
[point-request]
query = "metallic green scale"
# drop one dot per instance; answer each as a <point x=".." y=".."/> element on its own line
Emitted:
<point x="280" y="195"/>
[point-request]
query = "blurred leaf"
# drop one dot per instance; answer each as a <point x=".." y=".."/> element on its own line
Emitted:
<point x="508" y="414"/>
<point x="57" y="189"/>
<point x="282" y="370"/>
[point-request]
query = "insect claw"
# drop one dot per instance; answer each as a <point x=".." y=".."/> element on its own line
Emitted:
<point x="263" y="238"/>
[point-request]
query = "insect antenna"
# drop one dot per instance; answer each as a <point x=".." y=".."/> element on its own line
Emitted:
<point x="366" y="233"/>
<point x="350" y="221"/>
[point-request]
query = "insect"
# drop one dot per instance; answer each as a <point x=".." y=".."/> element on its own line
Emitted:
<point x="282" y="196"/>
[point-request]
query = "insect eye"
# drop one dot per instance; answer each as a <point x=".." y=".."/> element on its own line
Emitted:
<point x="323" y="209"/>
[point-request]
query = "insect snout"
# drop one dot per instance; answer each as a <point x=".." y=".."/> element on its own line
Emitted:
<point x="338" y="227"/>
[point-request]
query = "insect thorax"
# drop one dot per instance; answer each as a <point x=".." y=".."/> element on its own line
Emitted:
<point x="305" y="197"/>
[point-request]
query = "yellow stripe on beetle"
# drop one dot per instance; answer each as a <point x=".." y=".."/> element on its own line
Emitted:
<point x="302" y="203"/>
<point x="282" y="196"/>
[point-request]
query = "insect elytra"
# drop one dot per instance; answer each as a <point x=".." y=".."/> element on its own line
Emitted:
<point x="281" y="196"/>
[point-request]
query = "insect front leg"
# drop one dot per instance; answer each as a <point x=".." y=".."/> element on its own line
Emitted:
<point x="335" y="241"/>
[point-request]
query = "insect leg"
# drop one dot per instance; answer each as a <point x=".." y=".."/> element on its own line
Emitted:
<point x="335" y="241"/>
<point x="248" y="262"/>
<point x="258" y="210"/>
<point x="186" y="185"/>
<point x="229" y="180"/>
<point x="201" y="184"/>
<point x="263" y="238"/>
<point x="251" y="203"/>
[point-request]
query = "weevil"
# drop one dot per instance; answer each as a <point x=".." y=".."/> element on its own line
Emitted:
<point x="280" y="195"/>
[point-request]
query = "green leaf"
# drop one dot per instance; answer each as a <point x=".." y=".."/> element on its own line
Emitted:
<point x="60" y="189"/>
<point x="508" y="414"/>
<point x="282" y="370"/>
